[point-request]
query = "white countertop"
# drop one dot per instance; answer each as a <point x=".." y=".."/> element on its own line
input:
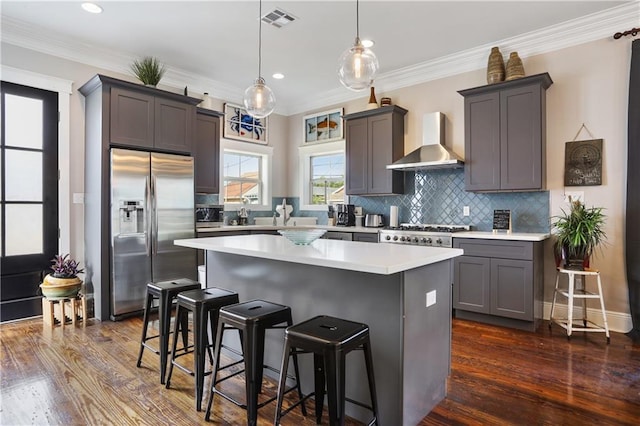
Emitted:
<point x="518" y="236"/>
<point x="274" y="228"/>
<point x="384" y="259"/>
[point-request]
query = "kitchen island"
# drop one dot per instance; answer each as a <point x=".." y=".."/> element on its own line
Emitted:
<point x="386" y="286"/>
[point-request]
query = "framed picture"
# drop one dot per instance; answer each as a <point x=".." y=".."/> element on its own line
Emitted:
<point x="239" y="125"/>
<point x="583" y="163"/>
<point x="323" y="127"/>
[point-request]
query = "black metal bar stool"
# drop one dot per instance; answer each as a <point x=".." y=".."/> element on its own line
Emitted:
<point x="252" y="319"/>
<point x="204" y="304"/>
<point x="329" y="339"/>
<point x="165" y="292"/>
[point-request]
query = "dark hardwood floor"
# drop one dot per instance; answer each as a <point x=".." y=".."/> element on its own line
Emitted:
<point x="87" y="376"/>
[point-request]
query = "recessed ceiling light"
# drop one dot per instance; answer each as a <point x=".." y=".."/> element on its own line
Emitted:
<point x="367" y="43"/>
<point x="91" y="7"/>
<point x="278" y="76"/>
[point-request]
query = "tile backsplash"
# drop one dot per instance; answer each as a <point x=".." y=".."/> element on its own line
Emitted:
<point x="437" y="197"/>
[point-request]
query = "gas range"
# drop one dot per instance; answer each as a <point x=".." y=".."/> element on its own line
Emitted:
<point x="421" y="234"/>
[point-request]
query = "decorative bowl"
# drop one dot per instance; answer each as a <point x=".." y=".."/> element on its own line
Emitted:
<point x="302" y="237"/>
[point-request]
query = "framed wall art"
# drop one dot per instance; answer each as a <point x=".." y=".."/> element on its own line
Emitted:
<point x="583" y="163"/>
<point x="239" y="125"/>
<point x="323" y="127"/>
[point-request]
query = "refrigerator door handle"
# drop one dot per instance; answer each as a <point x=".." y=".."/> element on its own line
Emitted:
<point x="154" y="198"/>
<point x="148" y="230"/>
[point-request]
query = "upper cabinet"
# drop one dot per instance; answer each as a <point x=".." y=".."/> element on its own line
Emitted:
<point x="374" y="139"/>
<point x="206" y="151"/>
<point x="505" y="135"/>
<point x="144" y="117"/>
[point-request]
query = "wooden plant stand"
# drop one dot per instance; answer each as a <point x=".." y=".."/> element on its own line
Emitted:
<point x="54" y="310"/>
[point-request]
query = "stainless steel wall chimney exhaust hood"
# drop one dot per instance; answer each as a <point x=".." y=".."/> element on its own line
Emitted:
<point x="432" y="154"/>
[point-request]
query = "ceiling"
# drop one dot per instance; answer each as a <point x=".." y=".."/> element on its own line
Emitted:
<point x="212" y="46"/>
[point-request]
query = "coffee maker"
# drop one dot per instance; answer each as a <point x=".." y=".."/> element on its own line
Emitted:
<point x="345" y="215"/>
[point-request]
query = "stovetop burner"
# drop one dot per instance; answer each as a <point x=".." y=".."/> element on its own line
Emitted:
<point x="421" y="234"/>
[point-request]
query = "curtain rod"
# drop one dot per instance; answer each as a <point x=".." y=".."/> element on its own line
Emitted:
<point x="633" y="31"/>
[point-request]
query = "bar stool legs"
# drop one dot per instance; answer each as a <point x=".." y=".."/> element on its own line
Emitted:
<point x="329" y="339"/>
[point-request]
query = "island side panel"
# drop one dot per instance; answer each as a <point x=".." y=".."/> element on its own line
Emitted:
<point x="373" y="299"/>
<point x="427" y="339"/>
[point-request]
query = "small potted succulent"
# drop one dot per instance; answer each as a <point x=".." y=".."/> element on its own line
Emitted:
<point x="148" y="70"/>
<point x="64" y="281"/>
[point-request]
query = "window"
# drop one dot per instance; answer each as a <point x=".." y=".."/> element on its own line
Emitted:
<point x="322" y="175"/>
<point x="245" y="174"/>
<point x="242" y="178"/>
<point x="326" y="179"/>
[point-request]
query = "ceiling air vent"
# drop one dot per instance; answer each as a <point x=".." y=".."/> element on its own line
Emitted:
<point x="278" y="18"/>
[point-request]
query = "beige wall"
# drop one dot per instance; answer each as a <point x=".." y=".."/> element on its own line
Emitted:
<point x="590" y="87"/>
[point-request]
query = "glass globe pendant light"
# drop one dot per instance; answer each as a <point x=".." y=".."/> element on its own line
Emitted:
<point x="259" y="99"/>
<point x="358" y="65"/>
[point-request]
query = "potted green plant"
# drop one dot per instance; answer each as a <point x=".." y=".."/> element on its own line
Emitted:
<point x="578" y="233"/>
<point x="64" y="281"/>
<point x="148" y="70"/>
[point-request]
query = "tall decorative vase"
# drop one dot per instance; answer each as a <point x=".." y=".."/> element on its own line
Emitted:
<point x="495" y="66"/>
<point x="373" y="103"/>
<point x="514" y="67"/>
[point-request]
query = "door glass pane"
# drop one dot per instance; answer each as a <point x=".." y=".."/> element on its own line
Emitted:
<point x="23" y="122"/>
<point x="23" y="175"/>
<point x="23" y="229"/>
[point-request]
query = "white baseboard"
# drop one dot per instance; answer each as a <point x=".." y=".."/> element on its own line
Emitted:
<point x="618" y="321"/>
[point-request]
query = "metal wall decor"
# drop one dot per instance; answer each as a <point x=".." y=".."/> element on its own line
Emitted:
<point x="240" y="125"/>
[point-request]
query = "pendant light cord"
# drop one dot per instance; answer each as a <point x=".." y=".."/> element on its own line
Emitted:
<point x="358" y="19"/>
<point x="260" y="42"/>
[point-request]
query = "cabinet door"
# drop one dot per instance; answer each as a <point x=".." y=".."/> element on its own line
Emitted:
<point x="174" y="122"/>
<point x="132" y="118"/>
<point x="356" y="156"/>
<point x="482" y="142"/>
<point x="512" y="288"/>
<point x="521" y="138"/>
<point x="344" y="236"/>
<point x="471" y="284"/>
<point x="206" y="153"/>
<point x="380" y="154"/>
<point x="365" y="237"/>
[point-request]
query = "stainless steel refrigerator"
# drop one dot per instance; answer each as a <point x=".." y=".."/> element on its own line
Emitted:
<point x="152" y="204"/>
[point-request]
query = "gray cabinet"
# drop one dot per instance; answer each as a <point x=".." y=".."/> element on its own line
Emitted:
<point x="334" y="235"/>
<point x="505" y="135"/>
<point x="149" y="118"/>
<point x="374" y="139"/>
<point x="206" y="152"/>
<point x="366" y="237"/>
<point x="499" y="281"/>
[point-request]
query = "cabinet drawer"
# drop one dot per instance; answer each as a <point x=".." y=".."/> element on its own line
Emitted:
<point x="522" y="250"/>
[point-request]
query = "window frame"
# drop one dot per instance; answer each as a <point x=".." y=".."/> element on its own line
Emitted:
<point x="305" y="154"/>
<point x="265" y="154"/>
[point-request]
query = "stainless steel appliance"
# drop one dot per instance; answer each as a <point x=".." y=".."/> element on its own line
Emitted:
<point x="421" y="235"/>
<point x="209" y="215"/>
<point x="373" y="221"/>
<point x="152" y="204"/>
<point x="345" y="215"/>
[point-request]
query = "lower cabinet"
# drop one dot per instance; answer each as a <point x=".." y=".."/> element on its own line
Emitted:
<point x="333" y="235"/>
<point x="366" y="237"/>
<point x="499" y="282"/>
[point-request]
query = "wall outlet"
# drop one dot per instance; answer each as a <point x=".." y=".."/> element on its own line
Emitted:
<point x="465" y="211"/>
<point x="431" y="298"/>
<point x="574" y="195"/>
<point x="78" y="198"/>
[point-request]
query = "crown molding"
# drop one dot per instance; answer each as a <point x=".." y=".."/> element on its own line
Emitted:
<point x="570" y="33"/>
<point x="588" y="28"/>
